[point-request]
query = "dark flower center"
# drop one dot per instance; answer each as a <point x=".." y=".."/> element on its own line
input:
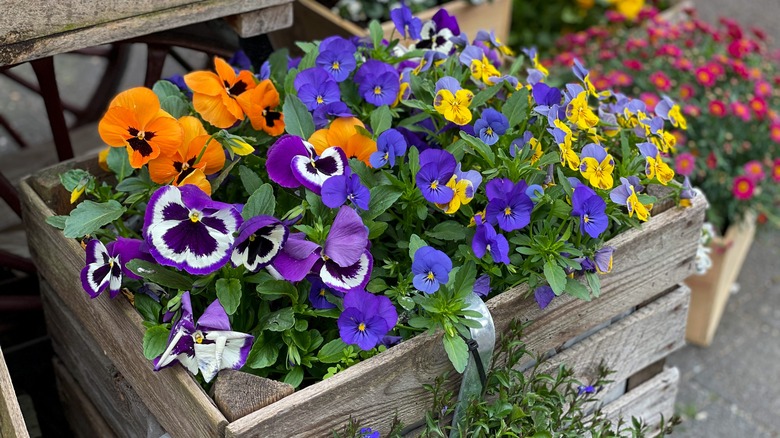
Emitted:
<point x="139" y="141"/>
<point x="271" y="116"/>
<point x="237" y="88"/>
<point x="184" y="169"/>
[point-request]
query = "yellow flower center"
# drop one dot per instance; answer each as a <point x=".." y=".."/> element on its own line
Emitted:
<point x="198" y="336"/>
<point x="377" y="90"/>
<point x="194" y="217"/>
<point x="489" y="131"/>
<point x="435" y="185"/>
<point x="185" y="165"/>
<point x="586" y="219"/>
<point x="743" y="186"/>
<point x="362" y="327"/>
<point x="430" y="275"/>
<point x="320" y="99"/>
<point x="507" y="211"/>
<point x="335" y="65"/>
<point x="252" y="238"/>
<point x="141" y="135"/>
<point x="322" y="292"/>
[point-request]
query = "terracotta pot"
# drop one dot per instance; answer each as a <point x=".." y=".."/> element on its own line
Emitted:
<point x="709" y="292"/>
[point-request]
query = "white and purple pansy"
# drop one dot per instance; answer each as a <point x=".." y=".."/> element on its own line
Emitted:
<point x="293" y="162"/>
<point x="259" y="241"/>
<point x="187" y="230"/>
<point x="208" y="345"/>
<point x="106" y="265"/>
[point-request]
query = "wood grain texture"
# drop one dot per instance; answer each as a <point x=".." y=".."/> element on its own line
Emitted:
<point x="182" y="407"/>
<point x="255" y="23"/>
<point x="238" y="394"/>
<point x="11" y="420"/>
<point x="84" y="419"/>
<point x="63" y="40"/>
<point x="649" y="401"/>
<point x="114" y="399"/>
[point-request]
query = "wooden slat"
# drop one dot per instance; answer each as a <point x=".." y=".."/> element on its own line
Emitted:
<point x="115" y="400"/>
<point x="68" y="40"/>
<point x="182" y="407"/>
<point x="254" y="23"/>
<point x="649" y="401"/>
<point x="11" y="419"/>
<point x="84" y="419"/>
<point x="648" y="261"/>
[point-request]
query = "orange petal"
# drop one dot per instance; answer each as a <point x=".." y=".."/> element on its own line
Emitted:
<point x="250" y="104"/>
<point x="319" y="140"/>
<point x="113" y="127"/>
<point x="213" y="158"/>
<point x="248" y="78"/>
<point x="270" y="95"/>
<point x="191" y="128"/>
<point x="225" y="71"/>
<point x="360" y="147"/>
<point x="167" y="135"/>
<point x="198" y="179"/>
<point x="137" y="160"/>
<point x="342" y="129"/>
<point x="278" y="127"/>
<point x="233" y="107"/>
<point x="205" y="82"/>
<point x="162" y="170"/>
<point x="141" y="101"/>
<point x="213" y="111"/>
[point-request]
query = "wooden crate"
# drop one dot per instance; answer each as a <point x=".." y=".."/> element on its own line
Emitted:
<point x="11" y="421"/>
<point x="649" y="263"/>
<point x="313" y="21"/>
<point x="710" y="292"/>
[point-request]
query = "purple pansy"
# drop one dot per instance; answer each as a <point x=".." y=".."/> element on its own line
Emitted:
<point x="591" y="209"/>
<point x="579" y="70"/>
<point x="208" y="345"/>
<point x="437" y="33"/>
<point x="543" y="296"/>
<point x="546" y="95"/>
<point x="378" y="82"/>
<point x="620" y="194"/>
<point x="339" y="189"/>
<point x="389" y="145"/>
<point x="603" y="259"/>
<point x="316" y="87"/>
<point x="431" y="269"/>
<point x="239" y="61"/>
<point x="259" y="241"/>
<point x="185" y="229"/>
<point x="367" y="432"/>
<point x="337" y="57"/>
<point x="324" y="113"/>
<point x="487" y="240"/>
<point x="405" y="22"/>
<point x="319" y="292"/>
<point x="482" y="286"/>
<point x="519" y="143"/>
<point x="106" y="265"/>
<point x="344" y="262"/>
<point x="535" y="192"/>
<point x="490" y="126"/>
<point x="292" y="163"/>
<point x="366" y="319"/>
<point x="508" y="205"/>
<point x="178" y="80"/>
<point x="436" y="169"/>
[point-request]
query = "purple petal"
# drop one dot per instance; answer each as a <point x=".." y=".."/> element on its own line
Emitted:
<point x="347" y="239"/>
<point x="334" y="191"/>
<point x="280" y="156"/>
<point x="260" y="239"/>
<point x="214" y="318"/>
<point x="543" y="295"/>
<point x="348" y="278"/>
<point x="312" y="172"/>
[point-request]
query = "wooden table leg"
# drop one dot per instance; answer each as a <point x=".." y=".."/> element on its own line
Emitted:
<point x="47" y="81"/>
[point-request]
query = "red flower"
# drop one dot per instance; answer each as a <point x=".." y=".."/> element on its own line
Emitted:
<point x="633" y="64"/>
<point x="687" y="91"/>
<point x="759" y="107"/>
<point x="717" y="108"/>
<point x="705" y="77"/>
<point x="743" y="188"/>
<point x="712" y="160"/>
<point x="774" y="133"/>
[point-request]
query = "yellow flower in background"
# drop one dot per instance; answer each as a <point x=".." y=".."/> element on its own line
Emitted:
<point x="656" y="168"/>
<point x="563" y="136"/>
<point x="579" y="113"/>
<point x="628" y="8"/>
<point x="454" y="107"/>
<point x="597" y="166"/>
<point x="483" y="70"/>
<point x="634" y="206"/>
<point x="677" y="119"/>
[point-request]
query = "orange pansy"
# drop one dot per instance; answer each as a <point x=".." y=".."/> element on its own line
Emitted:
<point x="260" y="104"/>
<point x="342" y="133"/>
<point x="214" y="95"/>
<point x="135" y="120"/>
<point x="184" y="166"/>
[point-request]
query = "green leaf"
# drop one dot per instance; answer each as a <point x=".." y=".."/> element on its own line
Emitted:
<point x="485" y="95"/>
<point x="172" y="100"/>
<point x="147" y="307"/>
<point x="381" y="119"/>
<point x="263" y="353"/>
<point x="415" y="243"/>
<point x="480" y="147"/>
<point x="119" y="163"/>
<point x="74" y="178"/>
<point x="377" y="286"/>
<point x="382" y="198"/>
<point x="249" y="179"/>
<point x="309" y="59"/>
<point x="376" y="32"/>
<point x="406" y="302"/>
<point x="229" y="294"/>
<point x="447" y="230"/>
<point x="90" y="216"/>
<point x="555" y="275"/>
<point x="332" y="352"/>
<point x="262" y="202"/>
<point x="159" y="275"/>
<point x="594" y="282"/>
<point x="516" y="107"/>
<point x="278" y="62"/>
<point x="457" y="351"/>
<point x="57" y="221"/>
<point x="133" y="184"/>
<point x="278" y="321"/>
<point x="297" y="119"/>
<point x="463" y="281"/>
<point x="289" y="82"/>
<point x="376" y="229"/>
<point x="414" y="161"/>
<point x="294" y="377"/>
<point x="457" y="149"/>
<point x="155" y="341"/>
<point x="272" y="289"/>
<point x="306" y="47"/>
<point x="316" y="206"/>
<point x="577" y="290"/>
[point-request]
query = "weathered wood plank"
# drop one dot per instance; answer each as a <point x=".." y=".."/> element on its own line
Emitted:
<point x="11" y="420"/>
<point x="115" y="400"/>
<point x="238" y="393"/>
<point x="126" y="28"/>
<point x="254" y="23"/>
<point x="84" y="419"/>
<point x="182" y="407"/>
<point x="648" y="401"/>
<point x="391" y="383"/>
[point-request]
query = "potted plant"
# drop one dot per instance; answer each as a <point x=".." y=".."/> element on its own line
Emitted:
<point x="724" y="79"/>
<point x="297" y="222"/>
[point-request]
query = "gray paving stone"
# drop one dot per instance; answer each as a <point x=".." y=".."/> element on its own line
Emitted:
<point x="721" y="419"/>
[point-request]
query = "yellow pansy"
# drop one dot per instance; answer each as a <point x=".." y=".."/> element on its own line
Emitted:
<point x="462" y="189"/>
<point x="568" y="156"/>
<point x="483" y="70"/>
<point x="656" y="168"/>
<point x="634" y="206"/>
<point x="678" y="120"/>
<point x="579" y="113"/>
<point x="454" y="107"/>
<point x="598" y="173"/>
